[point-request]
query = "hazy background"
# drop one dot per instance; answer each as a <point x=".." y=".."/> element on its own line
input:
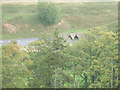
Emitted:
<point x="63" y="0"/>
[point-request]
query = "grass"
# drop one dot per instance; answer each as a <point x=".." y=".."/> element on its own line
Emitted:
<point x="111" y="26"/>
<point x="77" y="17"/>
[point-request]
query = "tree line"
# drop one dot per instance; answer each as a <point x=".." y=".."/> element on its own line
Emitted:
<point x="92" y="62"/>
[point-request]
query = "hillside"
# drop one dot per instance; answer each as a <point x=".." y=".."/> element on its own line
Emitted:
<point x="76" y="17"/>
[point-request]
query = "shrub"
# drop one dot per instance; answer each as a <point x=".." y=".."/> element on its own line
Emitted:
<point x="48" y="13"/>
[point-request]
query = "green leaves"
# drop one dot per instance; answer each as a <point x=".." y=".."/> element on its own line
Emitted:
<point x="98" y="50"/>
<point x="48" y="13"/>
<point x="91" y="62"/>
<point x="14" y="72"/>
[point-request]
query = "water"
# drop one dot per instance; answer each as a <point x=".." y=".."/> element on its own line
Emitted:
<point x="25" y="42"/>
<point x="20" y="42"/>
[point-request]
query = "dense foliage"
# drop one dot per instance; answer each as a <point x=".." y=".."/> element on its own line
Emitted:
<point x="15" y="73"/>
<point x="92" y="62"/>
<point x="98" y="52"/>
<point x="48" y="13"/>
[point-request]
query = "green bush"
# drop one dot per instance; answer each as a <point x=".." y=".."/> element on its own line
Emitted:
<point x="48" y="13"/>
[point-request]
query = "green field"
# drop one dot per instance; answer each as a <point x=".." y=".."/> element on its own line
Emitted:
<point x="77" y="17"/>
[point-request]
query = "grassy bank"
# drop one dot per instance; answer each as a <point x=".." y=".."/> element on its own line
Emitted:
<point x="76" y="17"/>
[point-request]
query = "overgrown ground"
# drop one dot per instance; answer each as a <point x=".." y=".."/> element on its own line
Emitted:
<point x="76" y="17"/>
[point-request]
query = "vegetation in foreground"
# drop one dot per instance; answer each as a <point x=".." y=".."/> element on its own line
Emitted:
<point x="91" y="62"/>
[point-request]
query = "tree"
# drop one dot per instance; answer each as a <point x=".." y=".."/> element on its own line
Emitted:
<point x="48" y="62"/>
<point x="48" y="13"/>
<point x="15" y="73"/>
<point x="98" y="51"/>
<point x="91" y="62"/>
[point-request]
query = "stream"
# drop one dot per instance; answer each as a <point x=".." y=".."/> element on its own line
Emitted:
<point x="20" y="42"/>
